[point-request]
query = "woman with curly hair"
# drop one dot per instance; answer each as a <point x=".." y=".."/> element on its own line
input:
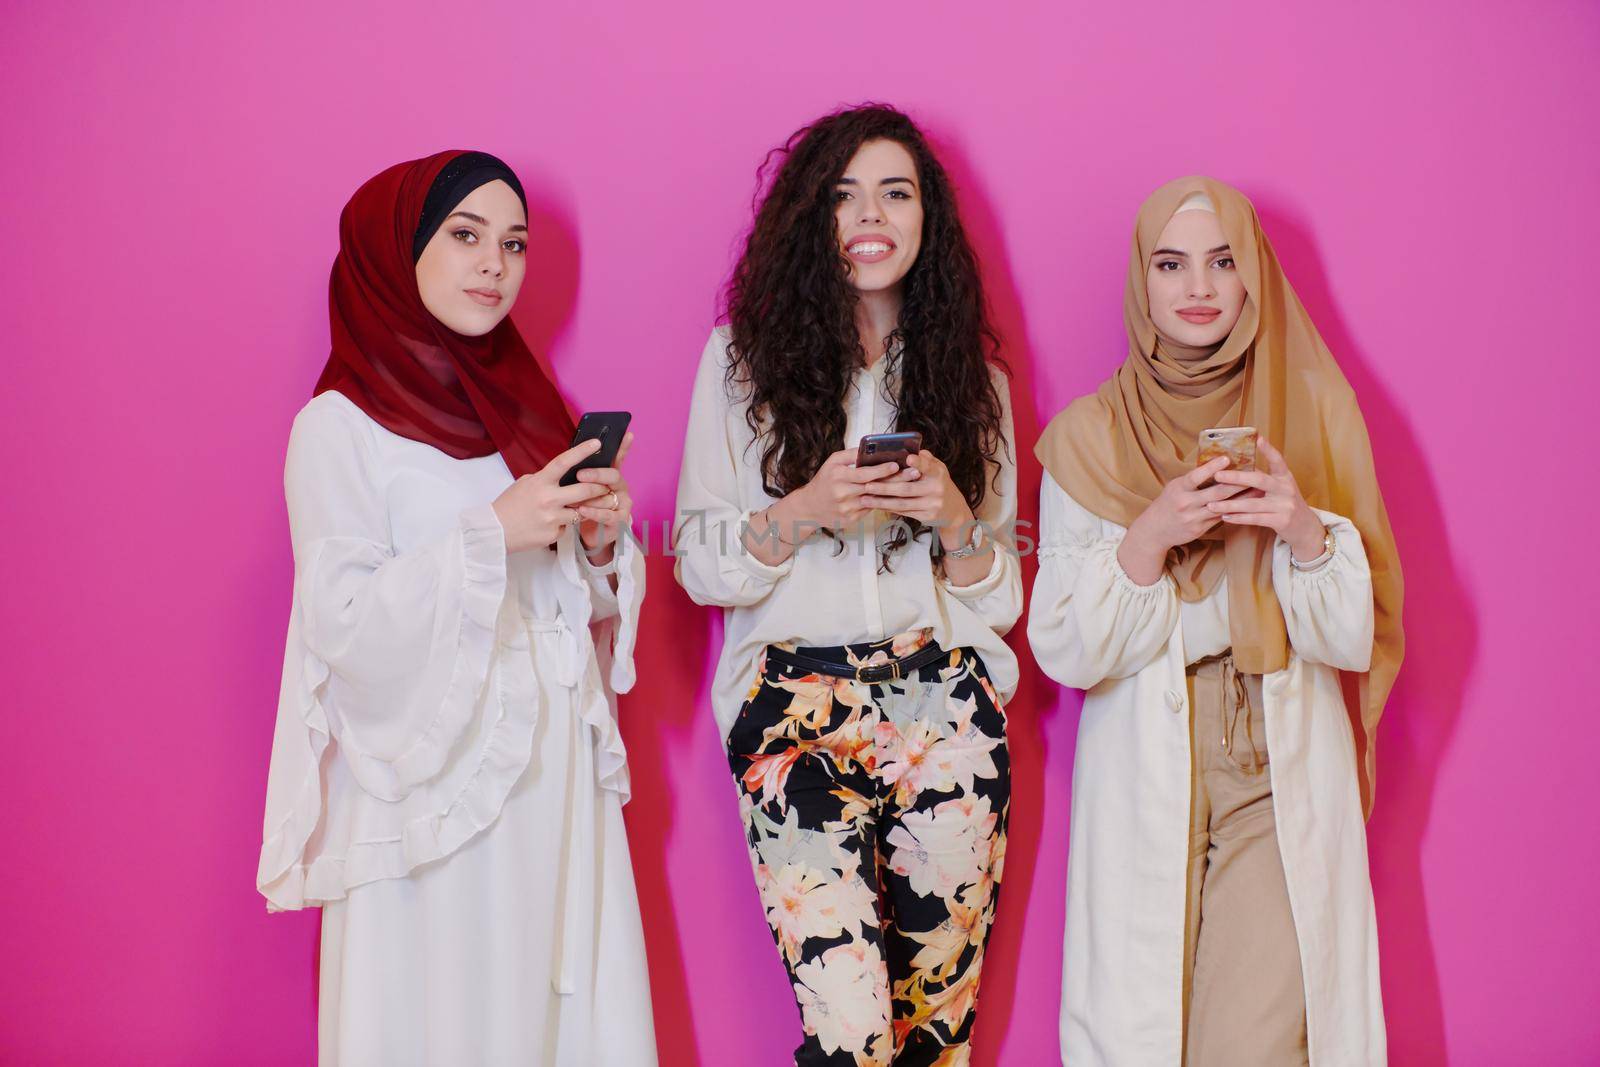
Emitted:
<point x="862" y="675"/>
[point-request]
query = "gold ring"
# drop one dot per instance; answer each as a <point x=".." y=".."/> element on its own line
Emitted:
<point x="615" y="501"/>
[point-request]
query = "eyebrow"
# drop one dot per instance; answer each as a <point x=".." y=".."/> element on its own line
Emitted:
<point x="481" y="221"/>
<point x="1185" y="255"/>
<point x="886" y="181"/>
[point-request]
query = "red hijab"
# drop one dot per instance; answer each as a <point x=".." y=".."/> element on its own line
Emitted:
<point x="466" y="396"/>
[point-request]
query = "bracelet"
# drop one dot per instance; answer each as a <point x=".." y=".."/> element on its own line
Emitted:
<point x="1328" y="544"/>
<point x="766" y="513"/>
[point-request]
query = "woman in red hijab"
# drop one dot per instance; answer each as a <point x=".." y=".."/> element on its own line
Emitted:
<point x="447" y="778"/>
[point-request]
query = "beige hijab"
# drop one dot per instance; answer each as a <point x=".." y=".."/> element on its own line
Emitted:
<point x="1114" y="450"/>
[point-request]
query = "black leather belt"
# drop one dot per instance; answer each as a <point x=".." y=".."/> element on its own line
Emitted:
<point x="895" y="669"/>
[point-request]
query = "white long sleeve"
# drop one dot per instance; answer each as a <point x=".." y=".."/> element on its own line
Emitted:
<point x="713" y="566"/>
<point x="614" y="612"/>
<point x="406" y="636"/>
<point x="1089" y="620"/>
<point x="423" y="657"/>
<point x="599" y="576"/>
<point x="996" y="598"/>
<point x="1329" y="611"/>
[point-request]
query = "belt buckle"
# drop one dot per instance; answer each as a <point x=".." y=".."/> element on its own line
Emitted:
<point x="866" y="673"/>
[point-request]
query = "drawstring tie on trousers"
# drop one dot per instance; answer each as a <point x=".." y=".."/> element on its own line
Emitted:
<point x="1233" y="703"/>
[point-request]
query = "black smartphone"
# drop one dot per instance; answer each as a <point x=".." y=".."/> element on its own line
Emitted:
<point x="876" y="448"/>
<point x="608" y="427"/>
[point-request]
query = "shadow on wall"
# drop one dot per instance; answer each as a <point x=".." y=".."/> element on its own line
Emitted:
<point x="670" y="654"/>
<point x="549" y="296"/>
<point x="1036" y="696"/>
<point x="1422" y="712"/>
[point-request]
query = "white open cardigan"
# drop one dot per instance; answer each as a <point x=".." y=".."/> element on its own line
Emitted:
<point x="1093" y="628"/>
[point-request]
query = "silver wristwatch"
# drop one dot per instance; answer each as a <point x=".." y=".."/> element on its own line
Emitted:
<point x="1314" y="564"/>
<point x="974" y="543"/>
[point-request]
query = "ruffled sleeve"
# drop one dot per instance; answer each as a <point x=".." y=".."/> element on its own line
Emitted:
<point x="602" y="598"/>
<point x="391" y="660"/>
<point x="1089" y="621"/>
<point x="614" y="618"/>
<point x="598" y="640"/>
<point x="1328" y="610"/>
<point x="407" y="638"/>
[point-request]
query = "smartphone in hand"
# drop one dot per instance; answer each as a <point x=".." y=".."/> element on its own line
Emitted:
<point x="1238" y="443"/>
<point x="876" y="448"/>
<point x="608" y="427"/>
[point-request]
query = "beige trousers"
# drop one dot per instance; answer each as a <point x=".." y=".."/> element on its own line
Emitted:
<point x="1244" y="999"/>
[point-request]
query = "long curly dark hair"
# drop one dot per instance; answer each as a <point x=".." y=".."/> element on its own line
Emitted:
<point x="790" y="307"/>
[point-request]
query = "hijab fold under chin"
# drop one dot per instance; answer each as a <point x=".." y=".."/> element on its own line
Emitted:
<point x="1114" y="450"/>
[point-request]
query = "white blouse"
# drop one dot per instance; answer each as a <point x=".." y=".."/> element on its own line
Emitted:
<point x="447" y="775"/>
<point x="820" y="595"/>
<point x="1205" y="623"/>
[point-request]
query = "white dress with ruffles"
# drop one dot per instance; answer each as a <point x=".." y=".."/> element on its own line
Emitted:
<point x="447" y="777"/>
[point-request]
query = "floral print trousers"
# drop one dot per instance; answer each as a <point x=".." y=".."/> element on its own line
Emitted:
<point x="876" y="819"/>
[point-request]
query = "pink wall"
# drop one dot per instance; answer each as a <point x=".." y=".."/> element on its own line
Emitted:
<point x="1428" y="172"/>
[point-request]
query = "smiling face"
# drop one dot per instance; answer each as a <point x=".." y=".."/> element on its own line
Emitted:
<point x="878" y="215"/>
<point x="1195" y="294"/>
<point x="472" y="267"/>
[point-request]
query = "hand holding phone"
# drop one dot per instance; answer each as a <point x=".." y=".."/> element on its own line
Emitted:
<point x="607" y="427"/>
<point x="832" y="499"/>
<point x="1271" y="498"/>
<point x="536" y="507"/>
<point x="876" y="448"/>
<point x="1238" y="443"/>
<point x="1183" y="510"/>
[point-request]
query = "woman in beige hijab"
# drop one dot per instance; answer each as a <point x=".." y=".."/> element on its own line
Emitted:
<point x="1218" y="904"/>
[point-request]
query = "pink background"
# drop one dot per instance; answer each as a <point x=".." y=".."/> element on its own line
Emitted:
<point x="173" y="178"/>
